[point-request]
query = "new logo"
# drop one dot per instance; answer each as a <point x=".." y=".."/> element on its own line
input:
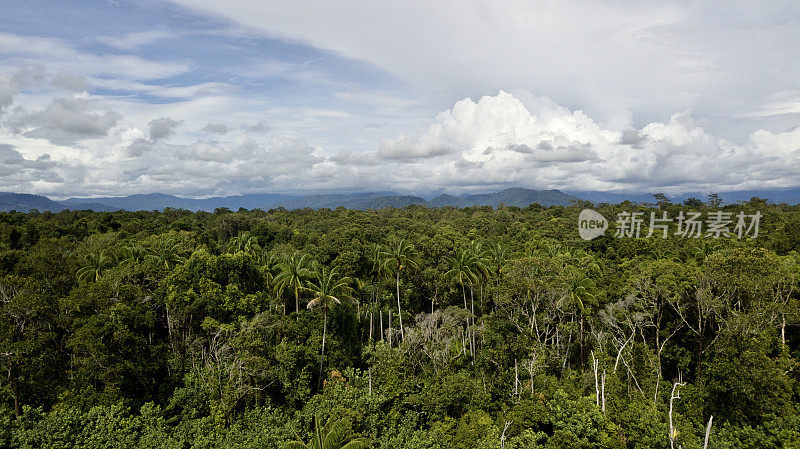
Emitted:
<point x="591" y="224"/>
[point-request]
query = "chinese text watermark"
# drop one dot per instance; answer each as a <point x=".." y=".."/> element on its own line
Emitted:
<point x="689" y="224"/>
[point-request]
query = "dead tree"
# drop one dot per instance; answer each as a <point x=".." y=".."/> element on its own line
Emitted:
<point x="676" y="394"/>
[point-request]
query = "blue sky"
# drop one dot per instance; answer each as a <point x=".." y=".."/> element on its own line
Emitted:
<point x="206" y="98"/>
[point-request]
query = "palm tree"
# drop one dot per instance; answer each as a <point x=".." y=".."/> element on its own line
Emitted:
<point x="375" y="260"/>
<point x="479" y="265"/>
<point x="269" y="263"/>
<point x="396" y="256"/>
<point x="470" y="267"/>
<point x="294" y="272"/>
<point x="497" y="257"/>
<point x="580" y="291"/>
<point x="133" y="255"/>
<point x="462" y="271"/>
<point x="244" y="242"/>
<point x="94" y="266"/>
<point x="167" y="254"/>
<point x="326" y="287"/>
<point x="332" y="436"/>
<point x="704" y="248"/>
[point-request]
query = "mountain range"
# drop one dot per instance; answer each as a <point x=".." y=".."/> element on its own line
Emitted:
<point x="363" y="201"/>
<point x="519" y="197"/>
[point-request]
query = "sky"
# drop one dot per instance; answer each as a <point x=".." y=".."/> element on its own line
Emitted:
<point x="204" y="98"/>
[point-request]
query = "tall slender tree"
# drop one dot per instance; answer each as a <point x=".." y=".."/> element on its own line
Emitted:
<point x="327" y="287"/>
<point x="295" y="270"/>
<point x="397" y="256"/>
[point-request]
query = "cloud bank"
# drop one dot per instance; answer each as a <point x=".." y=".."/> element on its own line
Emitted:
<point x="498" y="141"/>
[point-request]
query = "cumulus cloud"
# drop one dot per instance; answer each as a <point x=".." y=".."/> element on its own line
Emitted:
<point x="8" y="88"/>
<point x="495" y="142"/>
<point x="240" y="149"/>
<point x="162" y="128"/>
<point x="16" y="170"/>
<point x="64" y="121"/>
<point x="500" y="141"/>
<point x="137" y="143"/>
<point x="408" y="147"/>
<point x="216" y="128"/>
<point x="259" y="127"/>
<point x="11" y="85"/>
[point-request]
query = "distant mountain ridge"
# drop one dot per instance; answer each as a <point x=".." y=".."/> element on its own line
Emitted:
<point x="519" y="197"/>
<point x="373" y="200"/>
<point x="515" y="196"/>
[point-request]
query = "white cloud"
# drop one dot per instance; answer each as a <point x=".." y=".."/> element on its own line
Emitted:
<point x="259" y="127"/>
<point x="216" y="128"/>
<point x="162" y="127"/>
<point x="8" y="89"/>
<point x="64" y="121"/>
<point x="498" y="141"/>
<point x="407" y="147"/>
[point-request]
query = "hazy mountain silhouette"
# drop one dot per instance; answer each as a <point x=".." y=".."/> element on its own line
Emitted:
<point x="519" y="197"/>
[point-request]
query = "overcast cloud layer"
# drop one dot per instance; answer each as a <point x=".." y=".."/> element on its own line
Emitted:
<point x="425" y="97"/>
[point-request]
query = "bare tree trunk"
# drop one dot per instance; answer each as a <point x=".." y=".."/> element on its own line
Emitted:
<point x="533" y="363"/>
<point x="472" y="333"/>
<point x="322" y="355"/>
<point x="708" y="431"/>
<point x="503" y="435"/>
<point x="783" y="330"/>
<point x="399" y="310"/>
<point x="595" y="365"/>
<point x="603" y="392"/>
<point x="581" y="341"/>
<point x="381" y="319"/>
<point x="676" y="394"/>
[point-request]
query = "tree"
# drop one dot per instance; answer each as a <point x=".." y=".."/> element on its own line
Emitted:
<point x="270" y="263"/>
<point x="581" y="292"/>
<point x="375" y="270"/>
<point x="133" y="255"/>
<point x="396" y="256"/>
<point x="332" y="436"/>
<point x="461" y="271"/>
<point x="94" y="266"/>
<point x="467" y="267"/>
<point x="662" y="200"/>
<point x="167" y="254"/>
<point x="497" y="257"/>
<point x="326" y="286"/>
<point x="714" y="201"/>
<point x="693" y="202"/>
<point x="244" y="242"/>
<point x="294" y="272"/>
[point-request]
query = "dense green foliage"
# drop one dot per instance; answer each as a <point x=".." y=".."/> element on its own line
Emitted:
<point x="404" y="328"/>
